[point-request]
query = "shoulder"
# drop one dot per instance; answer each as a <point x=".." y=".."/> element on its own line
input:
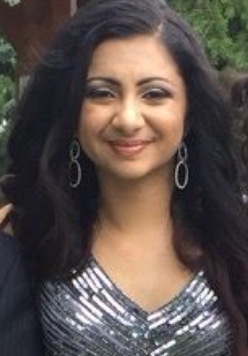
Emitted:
<point x="9" y="255"/>
<point x="9" y="248"/>
<point x="12" y="264"/>
<point x="18" y="319"/>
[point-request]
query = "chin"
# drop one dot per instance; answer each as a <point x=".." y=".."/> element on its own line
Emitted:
<point x="132" y="173"/>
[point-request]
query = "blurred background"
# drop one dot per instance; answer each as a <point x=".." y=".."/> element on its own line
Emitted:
<point x="27" y="27"/>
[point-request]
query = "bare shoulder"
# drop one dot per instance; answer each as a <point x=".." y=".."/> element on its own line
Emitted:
<point x="4" y="211"/>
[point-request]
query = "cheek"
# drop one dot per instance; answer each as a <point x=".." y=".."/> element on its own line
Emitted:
<point x="87" y="122"/>
<point x="169" y="122"/>
<point x="170" y="130"/>
<point x="84" y="130"/>
<point x="89" y="131"/>
<point x="93" y="119"/>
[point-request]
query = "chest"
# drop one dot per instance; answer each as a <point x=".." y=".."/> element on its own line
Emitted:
<point x="91" y="316"/>
<point x="150" y="288"/>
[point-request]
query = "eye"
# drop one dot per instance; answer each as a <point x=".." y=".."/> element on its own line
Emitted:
<point x="99" y="93"/>
<point x="156" y="94"/>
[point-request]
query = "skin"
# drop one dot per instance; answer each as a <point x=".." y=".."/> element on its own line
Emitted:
<point x="134" y="107"/>
<point x="131" y="125"/>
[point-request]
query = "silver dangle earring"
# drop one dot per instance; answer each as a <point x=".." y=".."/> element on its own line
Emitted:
<point x="74" y="169"/>
<point x="181" y="169"/>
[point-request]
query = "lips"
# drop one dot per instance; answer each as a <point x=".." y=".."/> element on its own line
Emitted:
<point x="129" y="143"/>
<point x="128" y="147"/>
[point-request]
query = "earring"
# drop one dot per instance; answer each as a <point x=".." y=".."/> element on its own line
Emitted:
<point x="181" y="169"/>
<point x="74" y="168"/>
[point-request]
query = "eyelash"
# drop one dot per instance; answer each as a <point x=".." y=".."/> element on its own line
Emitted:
<point x="99" y="93"/>
<point x="156" y="94"/>
<point x="105" y="93"/>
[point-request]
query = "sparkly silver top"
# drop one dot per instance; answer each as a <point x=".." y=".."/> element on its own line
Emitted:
<point x="91" y="316"/>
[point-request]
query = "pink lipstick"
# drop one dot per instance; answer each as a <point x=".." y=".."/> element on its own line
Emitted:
<point x="128" y="147"/>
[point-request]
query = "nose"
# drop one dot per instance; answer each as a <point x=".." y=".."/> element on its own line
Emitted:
<point x="128" y="118"/>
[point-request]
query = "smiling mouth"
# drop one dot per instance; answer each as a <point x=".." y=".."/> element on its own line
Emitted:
<point x="128" y="148"/>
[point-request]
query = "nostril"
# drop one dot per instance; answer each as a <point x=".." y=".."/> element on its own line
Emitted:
<point x="128" y="118"/>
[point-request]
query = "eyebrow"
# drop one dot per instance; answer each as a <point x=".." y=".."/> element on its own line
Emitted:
<point x="118" y="84"/>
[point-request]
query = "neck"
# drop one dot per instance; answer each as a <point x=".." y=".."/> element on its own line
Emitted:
<point x="135" y="211"/>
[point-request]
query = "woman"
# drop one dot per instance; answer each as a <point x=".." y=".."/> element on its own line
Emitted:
<point x="125" y="192"/>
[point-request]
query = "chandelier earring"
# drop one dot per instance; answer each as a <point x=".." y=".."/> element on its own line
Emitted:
<point x="74" y="168"/>
<point x="181" y="169"/>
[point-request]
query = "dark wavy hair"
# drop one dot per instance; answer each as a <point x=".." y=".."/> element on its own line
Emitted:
<point x="239" y="101"/>
<point x="54" y="222"/>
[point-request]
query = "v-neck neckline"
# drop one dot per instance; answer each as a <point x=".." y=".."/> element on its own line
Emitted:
<point x="134" y="305"/>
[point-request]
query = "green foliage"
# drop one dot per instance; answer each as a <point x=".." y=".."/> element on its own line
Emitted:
<point x="7" y="94"/>
<point x="222" y="27"/>
<point x="13" y="2"/>
<point x="7" y="58"/>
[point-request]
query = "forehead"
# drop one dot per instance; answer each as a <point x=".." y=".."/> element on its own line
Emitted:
<point x="141" y="55"/>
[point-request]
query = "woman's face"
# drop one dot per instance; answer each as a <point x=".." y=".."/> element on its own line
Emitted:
<point x="132" y="116"/>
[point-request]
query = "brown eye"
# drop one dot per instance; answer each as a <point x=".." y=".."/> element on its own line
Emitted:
<point x="99" y="93"/>
<point x="156" y="94"/>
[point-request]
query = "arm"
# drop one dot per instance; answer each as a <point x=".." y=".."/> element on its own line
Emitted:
<point x="4" y="212"/>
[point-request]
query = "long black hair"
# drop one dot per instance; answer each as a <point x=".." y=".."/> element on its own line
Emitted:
<point x="54" y="222"/>
<point x="239" y="101"/>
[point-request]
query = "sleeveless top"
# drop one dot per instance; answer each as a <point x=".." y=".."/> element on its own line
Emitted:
<point x="90" y="316"/>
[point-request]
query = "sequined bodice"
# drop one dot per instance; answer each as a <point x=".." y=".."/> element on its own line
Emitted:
<point x="91" y="316"/>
